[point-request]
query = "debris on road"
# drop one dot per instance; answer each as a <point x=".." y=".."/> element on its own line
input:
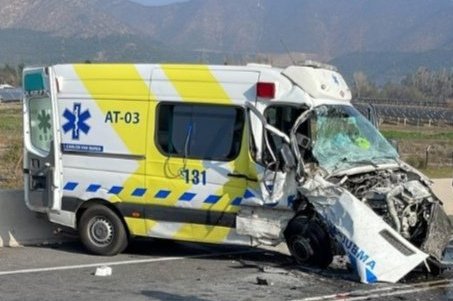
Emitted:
<point x="262" y="281"/>
<point x="103" y="271"/>
<point x="272" y="270"/>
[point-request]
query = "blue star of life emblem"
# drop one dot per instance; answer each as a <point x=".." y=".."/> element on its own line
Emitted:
<point x="335" y="79"/>
<point x="76" y="121"/>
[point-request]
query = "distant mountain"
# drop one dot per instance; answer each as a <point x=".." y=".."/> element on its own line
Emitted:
<point x="383" y="67"/>
<point x="369" y="35"/>
<point x="327" y="27"/>
<point x="22" y="46"/>
<point x="157" y="2"/>
<point x="66" y="18"/>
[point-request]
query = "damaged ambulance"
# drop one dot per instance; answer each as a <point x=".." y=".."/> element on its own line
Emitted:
<point x="247" y="155"/>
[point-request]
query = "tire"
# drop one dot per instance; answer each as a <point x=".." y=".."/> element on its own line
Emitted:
<point x="102" y="232"/>
<point x="308" y="242"/>
<point x="435" y="267"/>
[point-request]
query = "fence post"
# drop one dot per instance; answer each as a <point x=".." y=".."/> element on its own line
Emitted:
<point x="427" y="156"/>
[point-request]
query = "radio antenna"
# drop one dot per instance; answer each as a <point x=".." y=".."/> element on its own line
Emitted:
<point x="287" y="51"/>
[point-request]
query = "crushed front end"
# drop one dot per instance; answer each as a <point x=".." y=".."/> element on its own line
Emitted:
<point x="380" y="210"/>
<point x="329" y="183"/>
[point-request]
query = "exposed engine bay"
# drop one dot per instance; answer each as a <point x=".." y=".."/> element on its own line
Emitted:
<point x="403" y="202"/>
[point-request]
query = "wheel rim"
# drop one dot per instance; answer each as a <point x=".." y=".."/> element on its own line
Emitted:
<point x="301" y="248"/>
<point x="101" y="231"/>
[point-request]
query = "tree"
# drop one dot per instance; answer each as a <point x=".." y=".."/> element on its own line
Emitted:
<point x="431" y="84"/>
<point x="9" y="75"/>
<point x="362" y="87"/>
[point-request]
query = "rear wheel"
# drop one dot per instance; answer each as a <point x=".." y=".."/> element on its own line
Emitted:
<point x="309" y="242"/>
<point x="102" y="231"/>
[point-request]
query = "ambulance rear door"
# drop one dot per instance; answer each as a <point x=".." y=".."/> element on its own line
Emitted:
<point x="42" y="160"/>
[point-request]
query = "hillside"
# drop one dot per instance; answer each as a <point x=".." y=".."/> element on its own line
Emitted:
<point x="327" y="27"/>
<point x="392" y="66"/>
<point x="383" y="38"/>
<point x="35" y="48"/>
<point x="68" y="18"/>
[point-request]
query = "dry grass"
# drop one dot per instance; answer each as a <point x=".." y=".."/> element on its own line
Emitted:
<point x="11" y="146"/>
<point x="414" y="143"/>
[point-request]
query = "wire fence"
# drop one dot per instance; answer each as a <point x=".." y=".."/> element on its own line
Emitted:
<point x="402" y="112"/>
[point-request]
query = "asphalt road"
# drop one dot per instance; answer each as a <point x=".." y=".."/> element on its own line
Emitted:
<point x="165" y="270"/>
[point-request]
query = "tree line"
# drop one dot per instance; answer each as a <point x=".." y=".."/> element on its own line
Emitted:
<point x="11" y="75"/>
<point x="423" y="84"/>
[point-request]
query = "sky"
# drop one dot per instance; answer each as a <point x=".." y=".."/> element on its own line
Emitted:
<point x="157" y="2"/>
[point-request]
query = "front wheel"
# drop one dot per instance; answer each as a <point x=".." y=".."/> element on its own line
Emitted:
<point x="102" y="232"/>
<point x="309" y="242"/>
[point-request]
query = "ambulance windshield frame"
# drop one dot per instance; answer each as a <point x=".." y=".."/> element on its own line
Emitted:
<point x="344" y="138"/>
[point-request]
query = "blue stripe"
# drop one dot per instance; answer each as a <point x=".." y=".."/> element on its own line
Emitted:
<point x="248" y="194"/>
<point x="93" y="188"/>
<point x="139" y="192"/>
<point x="162" y="194"/>
<point x="212" y="199"/>
<point x="291" y="200"/>
<point x="187" y="196"/>
<point x="370" y="277"/>
<point x="70" y="186"/>
<point x="237" y="201"/>
<point x="115" y="190"/>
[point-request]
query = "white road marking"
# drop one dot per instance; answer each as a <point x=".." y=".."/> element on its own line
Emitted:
<point x="117" y="263"/>
<point x="401" y="292"/>
<point x="386" y="291"/>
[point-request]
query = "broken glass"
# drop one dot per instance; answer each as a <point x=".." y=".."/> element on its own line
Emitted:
<point x="344" y="138"/>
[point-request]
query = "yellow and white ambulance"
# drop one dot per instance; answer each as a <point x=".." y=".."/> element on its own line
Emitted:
<point x="223" y="154"/>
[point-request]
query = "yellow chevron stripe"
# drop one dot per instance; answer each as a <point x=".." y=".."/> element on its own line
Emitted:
<point x="109" y="86"/>
<point x="119" y="82"/>
<point x="210" y="234"/>
<point x="196" y="83"/>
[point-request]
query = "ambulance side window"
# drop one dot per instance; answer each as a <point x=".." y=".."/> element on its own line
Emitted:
<point x="40" y="109"/>
<point x="281" y="117"/>
<point x="197" y="131"/>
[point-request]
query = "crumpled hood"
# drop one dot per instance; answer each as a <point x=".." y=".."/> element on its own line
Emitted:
<point x="376" y="250"/>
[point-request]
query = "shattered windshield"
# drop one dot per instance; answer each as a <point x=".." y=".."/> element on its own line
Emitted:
<point x="344" y="138"/>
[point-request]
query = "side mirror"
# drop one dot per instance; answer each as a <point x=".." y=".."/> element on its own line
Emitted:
<point x="289" y="160"/>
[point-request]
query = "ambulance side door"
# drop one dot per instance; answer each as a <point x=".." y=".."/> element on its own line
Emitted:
<point x="197" y="169"/>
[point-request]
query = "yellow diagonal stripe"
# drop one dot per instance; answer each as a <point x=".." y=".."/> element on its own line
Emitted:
<point x="196" y="83"/>
<point x="110" y="83"/>
<point x="122" y="88"/>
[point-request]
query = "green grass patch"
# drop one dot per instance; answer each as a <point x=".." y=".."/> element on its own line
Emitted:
<point x="10" y="120"/>
<point x="417" y="135"/>
<point x="11" y="146"/>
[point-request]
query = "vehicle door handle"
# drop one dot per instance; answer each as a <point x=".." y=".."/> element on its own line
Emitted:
<point x="43" y="170"/>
